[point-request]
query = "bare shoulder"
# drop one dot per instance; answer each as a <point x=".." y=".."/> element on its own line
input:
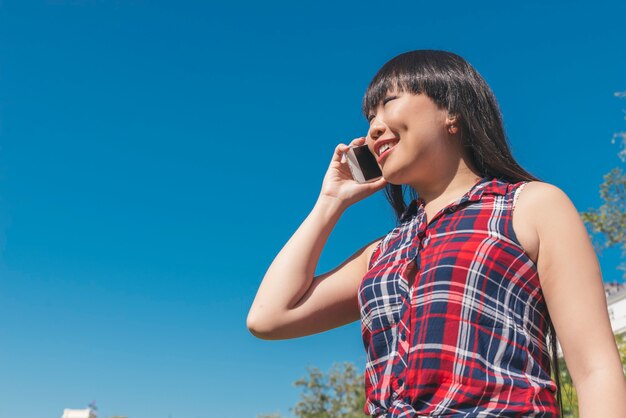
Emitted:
<point x="541" y="209"/>
<point x="540" y="200"/>
<point x="535" y="201"/>
<point x="539" y="191"/>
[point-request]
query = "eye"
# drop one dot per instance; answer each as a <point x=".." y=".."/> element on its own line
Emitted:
<point x="385" y="100"/>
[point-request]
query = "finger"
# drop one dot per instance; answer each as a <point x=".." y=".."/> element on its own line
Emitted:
<point x="378" y="184"/>
<point x="339" y="152"/>
<point x="358" y="141"/>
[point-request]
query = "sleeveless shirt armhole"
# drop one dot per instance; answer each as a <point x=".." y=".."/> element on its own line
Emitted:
<point x="517" y="192"/>
<point x="375" y="254"/>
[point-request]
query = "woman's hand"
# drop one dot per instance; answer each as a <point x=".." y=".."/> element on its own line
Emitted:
<point x="338" y="183"/>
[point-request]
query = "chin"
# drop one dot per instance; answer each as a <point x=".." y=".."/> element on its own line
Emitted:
<point x="392" y="181"/>
<point x="394" y="177"/>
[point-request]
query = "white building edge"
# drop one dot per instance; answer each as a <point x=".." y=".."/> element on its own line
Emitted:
<point x="616" y="302"/>
<point x="79" y="413"/>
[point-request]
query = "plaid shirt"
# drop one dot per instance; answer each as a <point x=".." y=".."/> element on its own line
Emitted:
<point x="453" y="317"/>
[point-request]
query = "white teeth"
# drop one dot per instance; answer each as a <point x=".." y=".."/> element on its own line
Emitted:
<point x="385" y="147"/>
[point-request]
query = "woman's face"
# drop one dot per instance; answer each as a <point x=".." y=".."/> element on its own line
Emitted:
<point x="408" y="135"/>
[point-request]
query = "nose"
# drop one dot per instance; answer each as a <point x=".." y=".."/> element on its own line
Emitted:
<point x="377" y="128"/>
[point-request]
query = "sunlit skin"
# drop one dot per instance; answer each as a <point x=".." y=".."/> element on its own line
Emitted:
<point x="420" y="127"/>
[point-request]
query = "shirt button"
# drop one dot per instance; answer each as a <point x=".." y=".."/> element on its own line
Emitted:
<point x="403" y="336"/>
<point x="400" y="382"/>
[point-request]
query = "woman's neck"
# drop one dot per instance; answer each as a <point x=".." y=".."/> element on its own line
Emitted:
<point x="441" y="192"/>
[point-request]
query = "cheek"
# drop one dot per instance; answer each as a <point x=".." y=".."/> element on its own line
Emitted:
<point x="416" y="129"/>
<point x="426" y="131"/>
<point x="399" y="121"/>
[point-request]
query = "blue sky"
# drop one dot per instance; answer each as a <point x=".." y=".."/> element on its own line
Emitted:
<point x="155" y="156"/>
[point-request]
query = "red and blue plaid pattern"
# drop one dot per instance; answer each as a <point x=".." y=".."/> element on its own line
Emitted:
<point x="453" y="317"/>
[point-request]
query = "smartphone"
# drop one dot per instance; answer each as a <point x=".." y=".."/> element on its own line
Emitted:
<point x="363" y="165"/>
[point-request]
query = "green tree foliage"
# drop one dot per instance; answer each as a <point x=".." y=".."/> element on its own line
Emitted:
<point x="621" y="347"/>
<point x="338" y="394"/>
<point x="621" y="135"/>
<point x="609" y="220"/>
<point x="568" y="392"/>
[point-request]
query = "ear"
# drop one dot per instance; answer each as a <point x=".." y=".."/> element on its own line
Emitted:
<point x="452" y="123"/>
<point x="452" y="118"/>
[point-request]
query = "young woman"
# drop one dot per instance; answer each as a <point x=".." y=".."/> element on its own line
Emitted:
<point x="461" y="301"/>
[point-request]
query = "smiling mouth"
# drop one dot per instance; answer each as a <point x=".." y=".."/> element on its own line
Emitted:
<point x="384" y="150"/>
<point x="385" y="147"/>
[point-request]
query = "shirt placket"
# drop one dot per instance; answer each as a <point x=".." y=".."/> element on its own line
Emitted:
<point x="399" y="369"/>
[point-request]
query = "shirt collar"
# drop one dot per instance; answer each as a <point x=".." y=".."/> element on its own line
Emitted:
<point x="486" y="185"/>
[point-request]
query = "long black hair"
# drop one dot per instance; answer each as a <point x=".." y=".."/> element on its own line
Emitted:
<point x="453" y="84"/>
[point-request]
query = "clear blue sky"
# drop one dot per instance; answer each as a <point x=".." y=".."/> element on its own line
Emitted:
<point x="155" y="156"/>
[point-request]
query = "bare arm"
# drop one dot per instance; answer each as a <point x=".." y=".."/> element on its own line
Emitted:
<point x="290" y="302"/>
<point x="571" y="282"/>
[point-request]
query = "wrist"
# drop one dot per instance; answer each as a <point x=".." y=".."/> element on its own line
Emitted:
<point x="330" y="205"/>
